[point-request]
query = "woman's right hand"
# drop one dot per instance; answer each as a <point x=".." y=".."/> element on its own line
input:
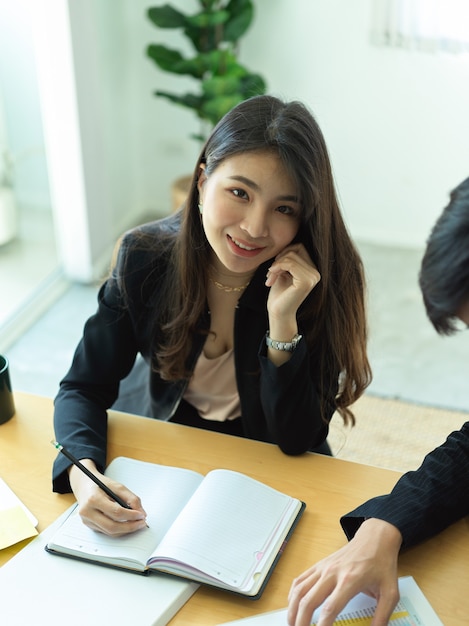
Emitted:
<point x="98" y="510"/>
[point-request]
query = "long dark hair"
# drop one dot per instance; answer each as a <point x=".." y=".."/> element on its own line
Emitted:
<point x="334" y="315"/>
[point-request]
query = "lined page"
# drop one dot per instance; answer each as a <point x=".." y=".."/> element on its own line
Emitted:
<point x="227" y="528"/>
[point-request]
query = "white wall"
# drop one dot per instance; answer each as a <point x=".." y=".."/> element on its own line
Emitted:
<point x="396" y="122"/>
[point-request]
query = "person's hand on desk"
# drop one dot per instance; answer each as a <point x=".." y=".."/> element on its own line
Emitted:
<point x="98" y="510"/>
<point x="368" y="564"/>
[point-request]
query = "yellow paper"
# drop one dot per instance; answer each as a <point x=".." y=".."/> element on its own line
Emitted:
<point x="15" y="526"/>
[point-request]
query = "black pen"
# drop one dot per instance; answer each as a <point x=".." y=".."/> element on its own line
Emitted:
<point x="94" y="478"/>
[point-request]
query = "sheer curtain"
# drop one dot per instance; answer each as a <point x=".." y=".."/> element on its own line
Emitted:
<point x="428" y="25"/>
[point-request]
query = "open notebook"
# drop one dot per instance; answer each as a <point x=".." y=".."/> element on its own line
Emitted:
<point x="224" y="529"/>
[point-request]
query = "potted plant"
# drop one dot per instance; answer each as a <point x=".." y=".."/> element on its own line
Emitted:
<point x="214" y="33"/>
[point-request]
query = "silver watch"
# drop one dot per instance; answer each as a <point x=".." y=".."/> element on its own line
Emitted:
<point x="286" y="346"/>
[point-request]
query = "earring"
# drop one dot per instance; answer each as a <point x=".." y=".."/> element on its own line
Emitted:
<point x="201" y="207"/>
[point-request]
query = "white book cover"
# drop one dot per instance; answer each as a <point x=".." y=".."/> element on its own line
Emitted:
<point x="39" y="588"/>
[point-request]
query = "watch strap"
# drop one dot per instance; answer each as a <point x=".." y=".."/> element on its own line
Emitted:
<point x="285" y="346"/>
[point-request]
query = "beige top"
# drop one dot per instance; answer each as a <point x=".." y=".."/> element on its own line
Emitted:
<point x="212" y="389"/>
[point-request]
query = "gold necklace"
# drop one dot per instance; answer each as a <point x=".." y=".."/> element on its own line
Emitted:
<point x="227" y="288"/>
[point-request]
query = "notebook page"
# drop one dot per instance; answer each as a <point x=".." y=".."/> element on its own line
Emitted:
<point x="228" y="527"/>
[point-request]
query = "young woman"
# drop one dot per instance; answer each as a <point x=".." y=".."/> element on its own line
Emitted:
<point x="247" y="305"/>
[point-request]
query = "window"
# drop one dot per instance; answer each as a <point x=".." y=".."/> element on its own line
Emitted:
<point x="427" y="25"/>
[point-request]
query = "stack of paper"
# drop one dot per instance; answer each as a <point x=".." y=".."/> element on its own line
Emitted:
<point x="413" y="609"/>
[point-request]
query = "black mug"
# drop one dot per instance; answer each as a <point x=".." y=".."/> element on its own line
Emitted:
<point x="7" y="406"/>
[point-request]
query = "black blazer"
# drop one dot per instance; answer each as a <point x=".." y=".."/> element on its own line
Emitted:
<point x="278" y="405"/>
<point x="427" y="500"/>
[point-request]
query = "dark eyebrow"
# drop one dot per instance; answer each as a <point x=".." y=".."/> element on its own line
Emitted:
<point x="250" y="183"/>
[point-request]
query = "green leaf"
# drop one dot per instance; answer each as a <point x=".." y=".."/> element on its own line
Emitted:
<point x="219" y="86"/>
<point x="172" y="61"/>
<point x="226" y="84"/>
<point x="189" y="100"/>
<point x="215" y="108"/>
<point x="206" y="39"/>
<point x="206" y="20"/>
<point x="237" y="82"/>
<point x="164" y="57"/>
<point x="252" y="85"/>
<point x="241" y="15"/>
<point x="208" y="4"/>
<point x="220" y="62"/>
<point x="167" y="17"/>
<point x="200" y="138"/>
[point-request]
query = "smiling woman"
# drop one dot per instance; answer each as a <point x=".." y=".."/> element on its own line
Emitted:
<point x="245" y="218"/>
<point x="247" y="305"/>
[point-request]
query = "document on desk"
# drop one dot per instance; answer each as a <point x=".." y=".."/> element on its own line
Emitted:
<point x="413" y="609"/>
<point x="16" y="521"/>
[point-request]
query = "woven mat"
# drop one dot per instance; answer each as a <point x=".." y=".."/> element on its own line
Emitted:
<point x="392" y="434"/>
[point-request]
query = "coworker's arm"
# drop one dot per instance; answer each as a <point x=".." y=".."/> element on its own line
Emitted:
<point x="368" y="563"/>
<point x="423" y="502"/>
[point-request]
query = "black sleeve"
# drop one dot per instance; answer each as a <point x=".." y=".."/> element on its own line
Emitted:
<point x="425" y="501"/>
<point x="103" y="357"/>
<point x="292" y="403"/>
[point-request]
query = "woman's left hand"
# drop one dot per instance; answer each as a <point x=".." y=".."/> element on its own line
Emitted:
<point x="291" y="277"/>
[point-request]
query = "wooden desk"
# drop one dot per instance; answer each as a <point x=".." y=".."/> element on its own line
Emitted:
<point x="329" y="486"/>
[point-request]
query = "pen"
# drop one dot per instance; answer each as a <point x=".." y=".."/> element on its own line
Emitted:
<point x="94" y="478"/>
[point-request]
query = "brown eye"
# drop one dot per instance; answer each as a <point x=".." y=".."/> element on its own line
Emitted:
<point x="239" y="193"/>
<point x="286" y="210"/>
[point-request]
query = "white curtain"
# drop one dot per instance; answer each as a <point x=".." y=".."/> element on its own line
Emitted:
<point x="428" y="25"/>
